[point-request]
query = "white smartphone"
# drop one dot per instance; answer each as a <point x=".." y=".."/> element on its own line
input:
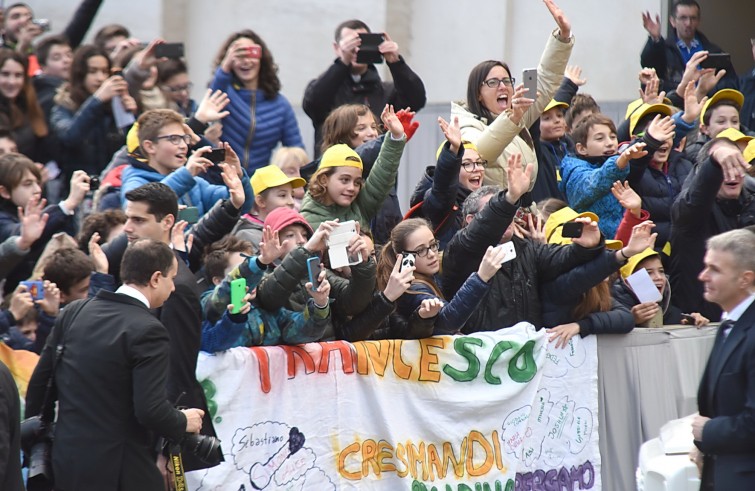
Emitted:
<point x="529" y="79"/>
<point x="337" y="245"/>
<point x="509" y="252"/>
<point x="407" y="262"/>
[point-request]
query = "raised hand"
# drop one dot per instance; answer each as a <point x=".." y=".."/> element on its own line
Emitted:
<point x="519" y="178"/>
<point x="627" y="197"/>
<point x="78" y="190"/>
<point x="574" y="73"/>
<point x="452" y="132"/>
<point x="50" y="304"/>
<point x="692" y="106"/>
<point x="99" y="258"/>
<point x="233" y="183"/>
<point x="652" y="26"/>
<point x="491" y="262"/>
<point x="399" y="281"/>
<point x="346" y="49"/>
<point x="520" y="103"/>
<point x="590" y="233"/>
<point x="391" y="122"/>
<point x="113" y="86"/>
<point x="651" y="95"/>
<point x="430" y="307"/>
<point x="319" y="240"/>
<point x="635" y="151"/>
<point x="212" y="106"/>
<point x="270" y="246"/>
<point x="535" y="230"/>
<point x="322" y="294"/>
<point x="564" y="26"/>
<point x="33" y="222"/>
<point x="389" y="49"/>
<point x="661" y="128"/>
<point x="643" y="312"/>
<point x="410" y="126"/>
<point x="21" y="302"/>
<point x="642" y="238"/>
<point x="708" y="80"/>
<point x="177" y="236"/>
<point x="731" y="160"/>
<point x="146" y="58"/>
<point x="197" y="163"/>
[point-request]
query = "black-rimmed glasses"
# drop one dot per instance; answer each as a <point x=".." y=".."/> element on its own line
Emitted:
<point x="423" y="251"/>
<point x="494" y="83"/>
<point x="176" y="139"/>
<point x="469" y="165"/>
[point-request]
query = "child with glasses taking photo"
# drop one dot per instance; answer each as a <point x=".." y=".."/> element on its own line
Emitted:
<point x="414" y="236"/>
<point x="442" y="190"/>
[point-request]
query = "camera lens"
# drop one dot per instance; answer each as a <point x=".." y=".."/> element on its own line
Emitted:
<point x="206" y="448"/>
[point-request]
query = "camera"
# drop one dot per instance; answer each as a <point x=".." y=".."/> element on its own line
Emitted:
<point x="44" y="24"/>
<point x="36" y="441"/>
<point x="94" y="182"/>
<point x="206" y="448"/>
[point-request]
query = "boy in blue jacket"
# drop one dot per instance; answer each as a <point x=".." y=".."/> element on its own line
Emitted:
<point x="164" y="143"/>
<point x="228" y="260"/>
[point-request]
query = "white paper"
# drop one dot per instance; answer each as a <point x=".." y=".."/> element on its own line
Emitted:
<point x="643" y="286"/>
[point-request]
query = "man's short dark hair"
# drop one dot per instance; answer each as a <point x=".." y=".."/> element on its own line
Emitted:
<point x="66" y="267"/>
<point x="142" y="259"/>
<point x="161" y="200"/>
<point x="45" y="45"/>
<point x="684" y="3"/>
<point x="350" y="24"/>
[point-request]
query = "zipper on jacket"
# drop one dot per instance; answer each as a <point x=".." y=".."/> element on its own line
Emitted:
<point x="252" y="126"/>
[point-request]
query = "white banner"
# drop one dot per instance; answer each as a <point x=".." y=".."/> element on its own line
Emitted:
<point x="498" y="411"/>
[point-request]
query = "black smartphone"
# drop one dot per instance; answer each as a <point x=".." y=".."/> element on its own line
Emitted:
<point x="368" y="51"/>
<point x="572" y="230"/>
<point x="116" y="71"/>
<point x="190" y="214"/>
<point x="216" y="156"/>
<point x="169" y="50"/>
<point x="719" y="61"/>
<point x="94" y="182"/>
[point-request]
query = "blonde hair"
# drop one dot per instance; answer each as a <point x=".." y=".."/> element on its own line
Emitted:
<point x="286" y="155"/>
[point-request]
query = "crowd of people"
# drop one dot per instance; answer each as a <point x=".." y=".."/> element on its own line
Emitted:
<point x="125" y="204"/>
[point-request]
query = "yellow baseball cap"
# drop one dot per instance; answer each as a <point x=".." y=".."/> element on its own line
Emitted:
<point x="555" y="222"/>
<point x="468" y="145"/>
<point x="645" y="109"/>
<point x="132" y="138"/>
<point x="272" y="176"/>
<point x="633" y="261"/>
<point x="340" y="155"/>
<point x="637" y="103"/>
<point x="554" y="103"/>
<point x="735" y="135"/>
<point x="749" y="152"/>
<point x="725" y="94"/>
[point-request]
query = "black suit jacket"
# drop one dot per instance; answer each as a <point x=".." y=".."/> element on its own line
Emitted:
<point x="727" y="396"/>
<point x="111" y="389"/>
<point x="10" y="433"/>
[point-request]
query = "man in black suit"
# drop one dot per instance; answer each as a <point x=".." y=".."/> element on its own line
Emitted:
<point x="724" y="431"/>
<point x="10" y="433"/>
<point x="111" y="380"/>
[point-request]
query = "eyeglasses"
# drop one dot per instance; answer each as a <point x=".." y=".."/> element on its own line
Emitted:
<point x="494" y="83"/>
<point x="424" y="251"/>
<point x="176" y="139"/>
<point x="469" y="165"/>
<point x="178" y="88"/>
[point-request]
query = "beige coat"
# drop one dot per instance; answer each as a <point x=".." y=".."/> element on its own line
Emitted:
<point x="499" y="140"/>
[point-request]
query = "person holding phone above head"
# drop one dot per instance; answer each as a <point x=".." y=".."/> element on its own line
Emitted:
<point x="348" y="82"/>
<point x="230" y="259"/>
<point x="670" y="56"/>
<point x="413" y="238"/>
<point x="260" y="116"/>
<point x="498" y="112"/>
<point x="82" y="116"/>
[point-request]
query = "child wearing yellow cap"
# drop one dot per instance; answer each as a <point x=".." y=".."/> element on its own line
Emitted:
<point x="337" y="189"/>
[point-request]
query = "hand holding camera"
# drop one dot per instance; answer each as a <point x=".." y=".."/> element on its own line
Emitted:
<point x="193" y="419"/>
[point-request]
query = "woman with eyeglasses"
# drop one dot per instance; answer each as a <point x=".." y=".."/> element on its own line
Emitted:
<point x="440" y="193"/>
<point x="82" y="116"/>
<point x="498" y="112"/>
<point x="415" y="237"/>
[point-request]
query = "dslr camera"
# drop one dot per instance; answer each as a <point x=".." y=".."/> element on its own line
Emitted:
<point x="36" y="442"/>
